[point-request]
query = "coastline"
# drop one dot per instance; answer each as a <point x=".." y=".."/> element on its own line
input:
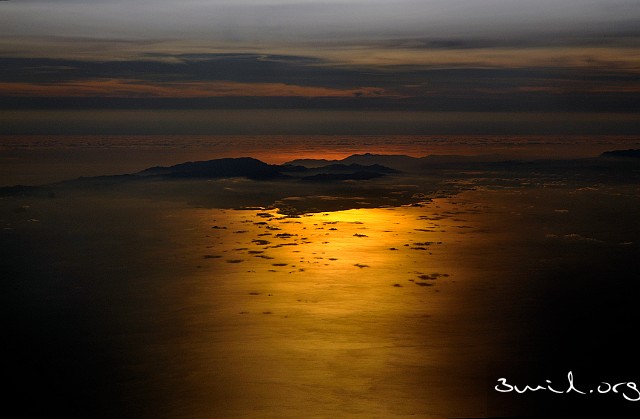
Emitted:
<point x="184" y="316"/>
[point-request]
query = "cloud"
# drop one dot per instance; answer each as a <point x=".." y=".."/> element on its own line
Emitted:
<point x="513" y="86"/>
<point x="288" y="22"/>
<point x="130" y="88"/>
<point x="238" y="67"/>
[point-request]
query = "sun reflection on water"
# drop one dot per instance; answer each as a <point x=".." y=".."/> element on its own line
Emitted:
<point x="326" y="312"/>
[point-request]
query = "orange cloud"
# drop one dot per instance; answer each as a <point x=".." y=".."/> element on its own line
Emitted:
<point x="141" y="88"/>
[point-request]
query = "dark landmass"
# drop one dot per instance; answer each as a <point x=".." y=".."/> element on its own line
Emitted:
<point x="239" y="167"/>
<point x="358" y="181"/>
<point x="341" y="168"/>
<point x="393" y="161"/>
<point x="254" y="169"/>
<point x="420" y="164"/>
<point x="332" y="177"/>
<point x="399" y="162"/>
<point x="630" y="153"/>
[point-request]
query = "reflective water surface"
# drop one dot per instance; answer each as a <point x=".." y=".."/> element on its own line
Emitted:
<point x="129" y="307"/>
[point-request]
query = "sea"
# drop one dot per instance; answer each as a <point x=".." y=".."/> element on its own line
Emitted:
<point x="199" y="298"/>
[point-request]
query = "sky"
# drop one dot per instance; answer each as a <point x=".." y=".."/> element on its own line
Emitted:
<point x="404" y="55"/>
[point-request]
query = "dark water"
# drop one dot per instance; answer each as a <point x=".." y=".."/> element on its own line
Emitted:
<point x="158" y="300"/>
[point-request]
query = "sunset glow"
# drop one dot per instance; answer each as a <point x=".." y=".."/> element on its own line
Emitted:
<point x="320" y="209"/>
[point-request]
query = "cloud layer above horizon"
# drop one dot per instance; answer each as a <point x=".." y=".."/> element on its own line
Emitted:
<point x="570" y="55"/>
